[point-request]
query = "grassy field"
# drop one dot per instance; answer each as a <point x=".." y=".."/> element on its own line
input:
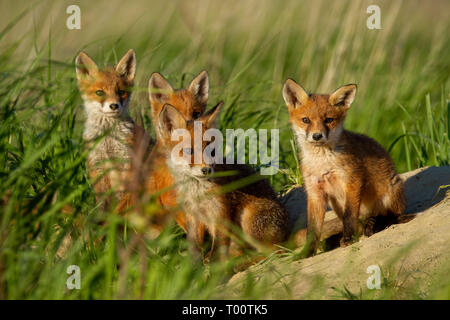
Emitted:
<point x="249" y="48"/>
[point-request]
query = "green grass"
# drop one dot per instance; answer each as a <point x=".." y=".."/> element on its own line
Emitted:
<point x="249" y="49"/>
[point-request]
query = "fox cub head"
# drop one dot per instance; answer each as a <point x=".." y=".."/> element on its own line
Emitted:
<point x="317" y="119"/>
<point x="190" y="102"/>
<point x="187" y="157"/>
<point x="106" y="92"/>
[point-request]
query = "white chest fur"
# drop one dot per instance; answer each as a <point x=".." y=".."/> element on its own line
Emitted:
<point x="323" y="172"/>
<point x="113" y="152"/>
<point x="115" y="144"/>
<point x="198" y="200"/>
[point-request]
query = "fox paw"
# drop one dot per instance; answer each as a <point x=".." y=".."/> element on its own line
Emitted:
<point x="345" y="242"/>
<point x="369" y="227"/>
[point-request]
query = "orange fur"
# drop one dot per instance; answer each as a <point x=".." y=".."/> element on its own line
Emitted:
<point x="349" y="171"/>
<point x="107" y="80"/>
<point x="252" y="208"/>
<point x="191" y="102"/>
<point x="106" y="95"/>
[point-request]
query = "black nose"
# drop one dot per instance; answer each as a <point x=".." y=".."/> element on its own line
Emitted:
<point x="114" y="106"/>
<point x="317" y="136"/>
<point x="206" y="170"/>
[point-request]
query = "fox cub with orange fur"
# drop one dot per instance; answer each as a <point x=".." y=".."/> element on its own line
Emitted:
<point x="253" y="208"/>
<point x="351" y="172"/>
<point x="191" y="103"/>
<point x="106" y="95"/>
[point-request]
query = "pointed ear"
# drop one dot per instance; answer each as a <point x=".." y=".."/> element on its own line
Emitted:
<point x="159" y="89"/>
<point x="84" y="65"/>
<point x="170" y="119"/>
<point x="212" y="116"/>
<point x="294" y="95"/>
<point x="343" y="97"/>
<point x="200" y="87"/>
<point x="127" y="66"/>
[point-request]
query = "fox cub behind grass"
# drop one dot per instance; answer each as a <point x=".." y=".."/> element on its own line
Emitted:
<point x="351" y="172"/>
<point x="253" y="208"/>
<point x="106" y="95"/>
<point x="191" y="103"/>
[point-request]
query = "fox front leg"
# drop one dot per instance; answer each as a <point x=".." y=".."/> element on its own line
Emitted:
<point x="351" y="214"/>
<point x="219" y="247"/>
<point x="317" y="204"/>
<point x="194" y="235"/>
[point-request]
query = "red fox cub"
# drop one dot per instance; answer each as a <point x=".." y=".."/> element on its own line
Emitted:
<point x="349" y="171"/>
<point x="254" y="209"/>
<point x="191" y="103"/>
<point x="106" y="94"/>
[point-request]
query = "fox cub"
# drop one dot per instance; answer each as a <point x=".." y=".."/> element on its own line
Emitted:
<point x="254" y="208"/>
<point x="106" y="95"/>
<point x="349" y="171"/>
<point x="191" y="103"/>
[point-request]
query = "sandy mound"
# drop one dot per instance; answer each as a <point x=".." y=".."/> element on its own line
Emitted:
<point x="413" y="252"/>
<point x="421" y="191"/>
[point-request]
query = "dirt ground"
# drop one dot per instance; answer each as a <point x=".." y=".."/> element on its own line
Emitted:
<point x="410" y="255"/>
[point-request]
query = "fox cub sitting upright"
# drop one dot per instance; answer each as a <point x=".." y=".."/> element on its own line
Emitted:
<point x="106" y="94"/>
<point x="253" y="208"/>
<point x="349" y="171"/>
<point x="191" y="103"/>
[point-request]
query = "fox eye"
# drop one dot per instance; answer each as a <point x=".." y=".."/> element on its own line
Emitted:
<point x="187" y="151"/>
<point x="306" y="120"/>
<point x="100" y="93"/>
<point x="329" y="120"/>
<point x="121" y="93"/>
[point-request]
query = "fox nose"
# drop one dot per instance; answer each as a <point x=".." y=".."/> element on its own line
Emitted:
<point x="206" y="170"/>
<point x="114" y="106"/>
<point x="317" y="136"/>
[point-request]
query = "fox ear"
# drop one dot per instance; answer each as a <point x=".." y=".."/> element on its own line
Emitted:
<point x="159" y="89"/>
<point x="199" y="87"/>
<point x="294" y="95"/>
<point x="170" y="119"/>
<point x="343" y="97"/>
<point x="85" y="66"/>
<point x="212" y="116"/>
<point x="127" y="66"/>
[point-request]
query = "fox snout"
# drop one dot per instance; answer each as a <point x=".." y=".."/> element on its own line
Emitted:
<point x="317" y="136"/>
<point x="112" y="107"/>
<point x="202" y="170"/>
<point x="206" y="170"/>
<point x="197" y="171"/>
